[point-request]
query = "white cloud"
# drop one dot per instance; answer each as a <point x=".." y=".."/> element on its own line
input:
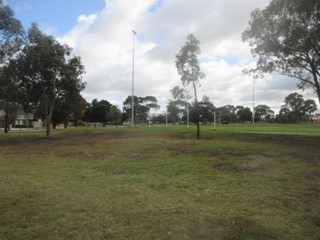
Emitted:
<point x="104" y="42"/>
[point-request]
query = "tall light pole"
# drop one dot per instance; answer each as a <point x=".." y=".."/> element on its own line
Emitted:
<point x="132" y="103"/>
<point x="253" y="101"/>
<point x="187" y="114"/>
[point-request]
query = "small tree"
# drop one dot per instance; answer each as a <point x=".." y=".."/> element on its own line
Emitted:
<point x="243" y="114"/>
<point x="142" y="107"/>
<point x="114" y="115"/>
<point x="263" y="112"/>
<point x="227" y="114"/>
<point x="206" y="110"/>
<point x="178" y="106"/>
<point x="188" y="68"/>
<point x="98" y="111"/>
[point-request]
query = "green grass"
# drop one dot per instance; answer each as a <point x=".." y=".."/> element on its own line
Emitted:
<point x="161" y="183"/>
<point x="295" y="129"/>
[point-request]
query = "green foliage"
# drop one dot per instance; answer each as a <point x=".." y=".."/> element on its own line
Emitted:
<point x="179" y="93"/>
<point x="11" y="39"/>
<point x="285" y="38"/>
<point x="11" y="34"/>
<point x="114" y="115"/>
<point x="188" y="68"/>
<point x="263" y="112"/>
<point x="177" y="107"/>
<point x="295" y="109"/>
<point x="46" y="73"/>
<point x="243" y="114"/>
<point x="97" y="111"/>
<point x="226" y="114"/>
<point x="142" y="107"/>
<point x="232" y="114"/>
<point x="177" y="110"/>
<point x="206" y="110"/>
<point x="187" y="62"/>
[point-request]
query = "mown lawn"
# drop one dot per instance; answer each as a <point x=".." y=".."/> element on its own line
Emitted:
<point x="161" y="183"/>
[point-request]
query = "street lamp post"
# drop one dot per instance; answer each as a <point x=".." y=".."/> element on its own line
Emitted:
<point x="132" y="103"/>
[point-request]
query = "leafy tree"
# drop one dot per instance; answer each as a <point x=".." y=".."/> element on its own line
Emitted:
<point x="11" y="34"/>
<point x="243" y="114"/>
<point x="285" y="115"/>
<point x="296" y="108"/>
<point x="76" y="107"/>
<point x="206" y="109"/>
<point x="127" y="107"/>
<point x="177" y="108"/>
<point x="114" y="115"/>
<point x="159" y="119"/>
<point x="68" y="110"/>
<point x="11" y="39"/>
<point x="226" y="114"/>
<point x="98" y="111"/>
<point x="189" y="70"/>
<point x="11" y="110"/>
<point x="263" y="113"/>
<point x="46" y="72"/>
<point x="142" y="107"/>
<point x="285" y="37"/>
<point x="179" y="93"/>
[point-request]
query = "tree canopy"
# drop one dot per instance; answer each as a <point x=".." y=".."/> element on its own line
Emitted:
<point x="188" y="68"/>
<point x="285" y="36"/>
<point x="11" y="33"/>
<point x="45" y="72"/>
<point x="142" y="107"/>
<point x="11" y="39"/>
<point x="263" y="112"/>
<point x="295" y="108"/>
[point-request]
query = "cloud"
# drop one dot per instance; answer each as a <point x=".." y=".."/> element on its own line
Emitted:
<point x="104" y="41"/>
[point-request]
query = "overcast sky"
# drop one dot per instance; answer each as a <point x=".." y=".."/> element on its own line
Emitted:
<point x="100" y="32"/>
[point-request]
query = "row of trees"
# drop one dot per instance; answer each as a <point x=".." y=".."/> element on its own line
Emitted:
<point x="38" y="74"/>
<point x="294" y="110"/>
<point x="109" y="114"/>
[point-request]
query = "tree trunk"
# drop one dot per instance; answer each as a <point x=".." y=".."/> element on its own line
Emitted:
<point x="317" y="88"/>
<point x="48" y="115"/>
<point x="315" y="79"/>
<point x="197" y="110"/>
<point x="6" y="119"/>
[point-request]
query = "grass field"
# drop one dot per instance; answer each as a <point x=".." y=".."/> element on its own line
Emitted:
<point x="237" y="182"/>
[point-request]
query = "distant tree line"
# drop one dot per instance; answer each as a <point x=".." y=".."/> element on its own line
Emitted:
<point x="295" y="110"/>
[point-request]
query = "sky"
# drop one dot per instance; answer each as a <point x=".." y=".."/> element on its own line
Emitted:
<point x="100" y="32"/>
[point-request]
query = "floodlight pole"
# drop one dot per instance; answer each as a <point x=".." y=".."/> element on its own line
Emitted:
<point x="253" y="101"/>
<point x="188" y="124"/>
<point x="132" y="95"/>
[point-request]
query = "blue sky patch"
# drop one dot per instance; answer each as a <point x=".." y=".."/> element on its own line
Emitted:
<point x="155" y="6"/>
